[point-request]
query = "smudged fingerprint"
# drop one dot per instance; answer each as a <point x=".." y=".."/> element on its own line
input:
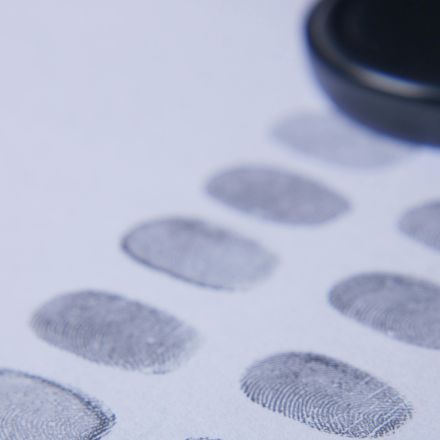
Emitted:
<point x="33" y="408"/>
<point x="200" y="253"/>
<point x="332" y="139"/>
<point x="422" y="224"/>
<point x="402" y="307"/>
<point x="276" y="195"/>
<point x="110" y="330"/>
<point x="326" y="394"/>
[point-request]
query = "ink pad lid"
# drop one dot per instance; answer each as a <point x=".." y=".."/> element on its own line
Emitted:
<point x="379" y="62"/>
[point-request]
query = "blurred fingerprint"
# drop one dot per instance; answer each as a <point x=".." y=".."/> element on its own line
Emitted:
<point x="330" y="138"/>
<point x="199" y="252"/>
<point x="276" y="195"/>
<point x="422" y="224"/>
<point x="111" y="330"/>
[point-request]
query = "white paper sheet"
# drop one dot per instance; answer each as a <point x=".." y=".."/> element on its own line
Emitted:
<point x="117" y="113"/>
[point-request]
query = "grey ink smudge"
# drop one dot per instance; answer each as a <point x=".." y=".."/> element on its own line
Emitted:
<point x="276" y="195"/>
<point x="422" y="223"/>
<point x="110" y="330"/>
<point x="32" y="408"/>
<point x="202" y="438"/>
<point x="199" y="252"/>
<point x="332" y="139"/>
<point x="402" y="307"/>
<point x="325" y="394"/>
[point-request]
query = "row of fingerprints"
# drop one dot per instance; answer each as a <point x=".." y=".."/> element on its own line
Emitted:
<point x="323" y="393"/>
<point x="219" y="258"/>
<point x="319" y="391"/>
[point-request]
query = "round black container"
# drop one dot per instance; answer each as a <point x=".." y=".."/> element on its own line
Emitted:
<point x="379" y="61"/>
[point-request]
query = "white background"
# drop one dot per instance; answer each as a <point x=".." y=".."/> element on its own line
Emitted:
<point x="114" y="112"/>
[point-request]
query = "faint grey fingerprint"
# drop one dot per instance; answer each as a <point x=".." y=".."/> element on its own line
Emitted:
<point x="199" y="252"/>
<point x="333" y="139"/>
<point x="110" y="330"/>
<point x="32" y="408"/>
<point x="422" y="223"/>
<point x="400" y="306"/>
<point x="326" y="394"/>
<point x="276" y="195"/>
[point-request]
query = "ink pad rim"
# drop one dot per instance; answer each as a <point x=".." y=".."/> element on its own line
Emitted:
<point x="393" y="105"/>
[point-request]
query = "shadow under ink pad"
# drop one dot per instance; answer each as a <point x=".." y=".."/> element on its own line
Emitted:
<point x="379" y="61"/>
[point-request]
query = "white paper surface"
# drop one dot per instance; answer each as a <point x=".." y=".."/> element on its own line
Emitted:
<point x="114" y="113"/>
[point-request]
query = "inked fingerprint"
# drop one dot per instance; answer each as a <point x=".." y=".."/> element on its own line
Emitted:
<point x="110" y="330"/>
<point x="276" y="195"/>
<point x="335" y="140"/>
<point x="402" y="307"/>
<point x="423" y="224"/>
<point x="326" y="394"/>
<point x="32" y="408"/>
<point x="199" y="252"/>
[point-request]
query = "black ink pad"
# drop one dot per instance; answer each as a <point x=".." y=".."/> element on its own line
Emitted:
<point x="379" y="61"/>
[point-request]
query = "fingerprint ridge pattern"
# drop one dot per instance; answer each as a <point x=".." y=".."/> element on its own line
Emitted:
<point x="199" y="252"/>
<point x="402" y="307"/>
<point x="108" y="329"/>
<point x="202" y="438"/>
<point x="32" y="408"/>
<point x="325" y="394"/>
<point x="276" y="195"/>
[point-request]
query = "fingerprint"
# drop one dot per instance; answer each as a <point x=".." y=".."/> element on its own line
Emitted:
<point x="32" y="408"/>
<point x="332" y="139"/>
<point x="110" y="330"/>
<point x="202" y="438"/>
<point x="200" y="253"/>
<point x="276" y="195"/>
<point x="325" y="394"/>
<point x="402" y="307"/>
<point x="423" y="224"/>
